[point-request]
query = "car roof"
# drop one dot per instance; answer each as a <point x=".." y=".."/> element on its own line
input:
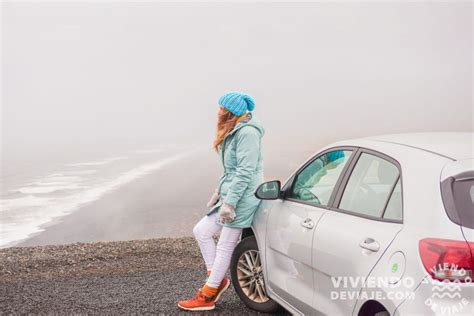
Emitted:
<point x="456" y="146"/>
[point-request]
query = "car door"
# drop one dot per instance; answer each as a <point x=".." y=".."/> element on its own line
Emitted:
<point x="353" y="235"/>
<point x="292" y="221"/>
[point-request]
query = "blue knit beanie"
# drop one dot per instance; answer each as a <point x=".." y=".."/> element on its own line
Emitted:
<point x="237" y="103"/>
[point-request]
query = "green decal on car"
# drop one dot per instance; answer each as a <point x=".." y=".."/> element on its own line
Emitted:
<point x="394" y="267"/>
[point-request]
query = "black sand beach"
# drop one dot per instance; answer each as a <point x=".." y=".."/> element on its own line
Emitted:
<point x="131" y="277"/>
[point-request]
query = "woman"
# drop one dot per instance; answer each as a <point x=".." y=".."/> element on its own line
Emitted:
<point x="233" y="204"/>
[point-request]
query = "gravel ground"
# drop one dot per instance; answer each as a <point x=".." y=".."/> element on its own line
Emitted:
<point x="129" y="277"/>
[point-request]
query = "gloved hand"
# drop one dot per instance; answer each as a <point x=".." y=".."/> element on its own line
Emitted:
<point x="227" y="213"/>
<point x="214" y="198"/>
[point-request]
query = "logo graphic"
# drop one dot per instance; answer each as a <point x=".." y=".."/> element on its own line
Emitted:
<point x="446" y="297"/>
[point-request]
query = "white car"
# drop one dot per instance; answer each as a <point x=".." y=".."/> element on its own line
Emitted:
<point x="373" y="226"/>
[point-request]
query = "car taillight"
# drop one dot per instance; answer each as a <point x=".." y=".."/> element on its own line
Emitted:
<point x="447" y="259"/>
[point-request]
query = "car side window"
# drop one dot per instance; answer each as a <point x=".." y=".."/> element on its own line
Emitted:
<point x="315" y="183"/>
<point x="395" y="205"/>
<point x="369" y="186"/>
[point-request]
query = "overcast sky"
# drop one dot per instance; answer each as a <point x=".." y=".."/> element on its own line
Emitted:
<point x="112" y="72"/>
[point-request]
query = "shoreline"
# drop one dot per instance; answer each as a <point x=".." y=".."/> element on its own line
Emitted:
<point x="145" y="208"/>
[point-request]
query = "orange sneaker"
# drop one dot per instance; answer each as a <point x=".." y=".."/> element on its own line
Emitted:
<point x="225" y="283"/>
<point x="198" y="303"/>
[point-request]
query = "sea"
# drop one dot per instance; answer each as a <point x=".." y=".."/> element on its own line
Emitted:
<point x="34" y="194"/>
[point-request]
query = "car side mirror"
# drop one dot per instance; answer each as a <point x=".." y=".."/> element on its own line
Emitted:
<point x="269" y="190"/>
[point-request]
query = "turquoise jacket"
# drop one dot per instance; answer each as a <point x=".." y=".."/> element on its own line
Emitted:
<point x="241" y="155"/>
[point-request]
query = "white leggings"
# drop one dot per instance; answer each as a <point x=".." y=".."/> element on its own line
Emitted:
<point x="217" y="259"/>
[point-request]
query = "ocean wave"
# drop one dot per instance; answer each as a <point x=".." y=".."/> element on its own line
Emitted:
<point x="49" y="188"/>
<point x="61" y="177"/>
<point x="97" y="163"/>
<point x="58" y="181"/>
<point x="147" y="151"/>
<point x="22" y="202"/>
<point x="80" y="172"/>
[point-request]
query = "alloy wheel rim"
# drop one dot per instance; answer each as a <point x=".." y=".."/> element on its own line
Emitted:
<point x="250" y="276"/>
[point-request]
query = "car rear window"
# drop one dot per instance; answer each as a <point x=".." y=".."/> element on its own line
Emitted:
<point x="458" y="198"/>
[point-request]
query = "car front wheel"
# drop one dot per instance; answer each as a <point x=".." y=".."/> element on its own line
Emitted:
<point x="246" y="271"/>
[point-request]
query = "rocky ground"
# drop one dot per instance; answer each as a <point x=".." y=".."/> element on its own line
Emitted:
<point x="129" y="277"/>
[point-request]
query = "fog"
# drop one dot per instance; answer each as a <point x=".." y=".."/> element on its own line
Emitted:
<point x="97" y="74"/>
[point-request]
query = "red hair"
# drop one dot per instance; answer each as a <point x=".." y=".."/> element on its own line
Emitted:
<point x="226" y="122"/>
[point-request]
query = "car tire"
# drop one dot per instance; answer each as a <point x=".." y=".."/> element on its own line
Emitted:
<point x="247" y="277"/>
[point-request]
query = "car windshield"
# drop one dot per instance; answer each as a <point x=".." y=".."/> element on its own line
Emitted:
<point x="458" y="198"/>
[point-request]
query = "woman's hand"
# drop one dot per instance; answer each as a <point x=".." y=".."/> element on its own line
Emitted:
<point x="214" y="198"/>
<point x="227" y="213"/>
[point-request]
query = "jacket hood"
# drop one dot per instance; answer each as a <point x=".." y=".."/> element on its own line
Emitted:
<point x="254" y="121"/>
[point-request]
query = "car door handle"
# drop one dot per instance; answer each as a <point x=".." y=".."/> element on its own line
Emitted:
<point x="308" y="223"/>
<point x="370" y="244"/>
